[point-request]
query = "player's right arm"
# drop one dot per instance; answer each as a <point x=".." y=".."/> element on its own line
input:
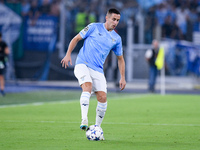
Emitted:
<point x="65" y="61"/>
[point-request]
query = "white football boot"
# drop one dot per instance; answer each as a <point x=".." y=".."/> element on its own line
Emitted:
<point x="84" y="125"/>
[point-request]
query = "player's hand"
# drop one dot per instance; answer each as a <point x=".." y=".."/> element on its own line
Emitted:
<point x="122" y="83"/>
<point x="65" y="61"/>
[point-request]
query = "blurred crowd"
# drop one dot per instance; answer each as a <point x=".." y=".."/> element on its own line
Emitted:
<point x="176" y="18"/>
<point x="36" y="7"/>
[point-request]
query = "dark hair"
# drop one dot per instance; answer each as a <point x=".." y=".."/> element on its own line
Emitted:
<point x="113" y="10"/>
<point x="0" y="35"/>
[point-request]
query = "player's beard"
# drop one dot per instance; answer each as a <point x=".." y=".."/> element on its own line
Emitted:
<point x="112" y="27"/>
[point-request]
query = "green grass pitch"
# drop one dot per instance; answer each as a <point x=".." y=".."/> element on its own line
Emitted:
<point x="49" y="120"/>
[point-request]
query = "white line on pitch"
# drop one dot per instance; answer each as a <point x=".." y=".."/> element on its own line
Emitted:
<point x="109" y="123"/>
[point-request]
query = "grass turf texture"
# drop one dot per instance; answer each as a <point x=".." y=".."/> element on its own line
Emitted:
<point x="141" y="122"/>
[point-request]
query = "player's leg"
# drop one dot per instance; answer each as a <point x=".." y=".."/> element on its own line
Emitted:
<point x="82" y="74"/>
<point x="84" y="103"/>
<point x="100" y="89"/>
<point x="101" y="107"/>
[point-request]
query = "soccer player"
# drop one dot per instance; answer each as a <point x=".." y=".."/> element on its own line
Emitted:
<point x="100" y="38"/>
<point x="4" y="51"/>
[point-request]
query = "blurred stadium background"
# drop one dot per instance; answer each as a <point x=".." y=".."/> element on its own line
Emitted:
<point x="39" y="31"/>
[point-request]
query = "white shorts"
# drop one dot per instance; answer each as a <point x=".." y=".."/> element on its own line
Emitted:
<point x="86" y="74"/>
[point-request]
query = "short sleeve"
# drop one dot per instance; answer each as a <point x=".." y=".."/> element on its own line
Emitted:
<point x="118" y="48"/>
<point x="87" y="30"/>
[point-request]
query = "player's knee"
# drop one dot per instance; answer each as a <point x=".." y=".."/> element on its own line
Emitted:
<point x="102" y="98"/>
<point x="87" y="87"/>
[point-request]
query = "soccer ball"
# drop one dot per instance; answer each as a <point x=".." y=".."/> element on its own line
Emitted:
<point x="94" y="133"/>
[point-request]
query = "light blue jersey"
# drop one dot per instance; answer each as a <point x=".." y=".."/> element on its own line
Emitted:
<point x="97" y="45"/>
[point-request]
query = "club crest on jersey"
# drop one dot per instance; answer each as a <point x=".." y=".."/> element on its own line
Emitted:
<point x="113" y="40"/>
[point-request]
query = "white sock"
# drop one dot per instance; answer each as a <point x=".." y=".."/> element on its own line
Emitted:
<point x="84" y="102"/>
<point x="100" y="112"/>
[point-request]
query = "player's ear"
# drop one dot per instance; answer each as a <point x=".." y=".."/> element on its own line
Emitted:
<point x="106" y="17"/>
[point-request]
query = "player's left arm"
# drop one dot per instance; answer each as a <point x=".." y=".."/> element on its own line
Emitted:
<point x="121" y="65"/>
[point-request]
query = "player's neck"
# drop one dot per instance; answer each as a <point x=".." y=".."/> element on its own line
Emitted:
<point x="106" y="27"/>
